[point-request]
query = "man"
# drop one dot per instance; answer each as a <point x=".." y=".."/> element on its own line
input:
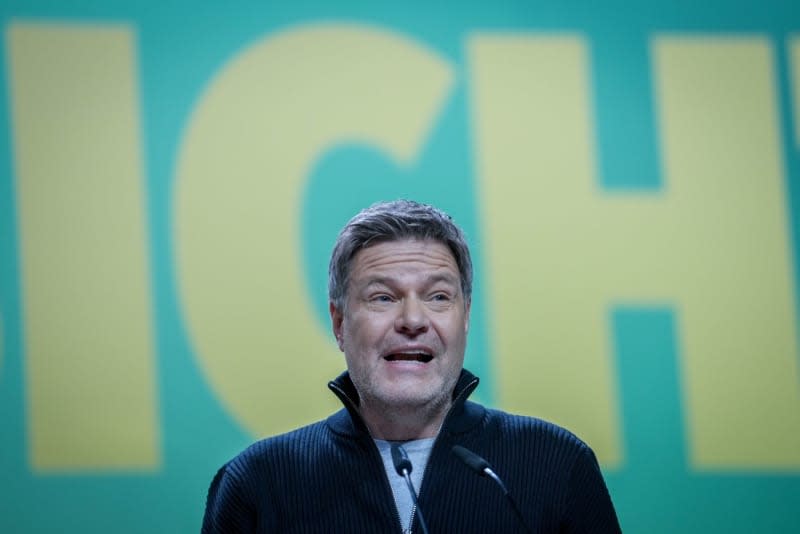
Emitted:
<point x="400" y="285"/>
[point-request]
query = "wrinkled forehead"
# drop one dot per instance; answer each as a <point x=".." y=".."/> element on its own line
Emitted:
<point x="403" y="248"/>
<point x="421" y="257"/>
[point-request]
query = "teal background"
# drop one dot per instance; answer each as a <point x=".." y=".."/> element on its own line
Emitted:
<point x="182" y="45"/>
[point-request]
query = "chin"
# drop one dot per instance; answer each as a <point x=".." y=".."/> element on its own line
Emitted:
<point x="412" y="398"/>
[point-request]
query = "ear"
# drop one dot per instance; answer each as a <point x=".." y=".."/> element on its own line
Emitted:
<point x="337" y="318"/>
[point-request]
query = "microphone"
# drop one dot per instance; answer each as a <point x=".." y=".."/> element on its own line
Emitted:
<point x="482" y="467"/>
<point x="402" y="465"/>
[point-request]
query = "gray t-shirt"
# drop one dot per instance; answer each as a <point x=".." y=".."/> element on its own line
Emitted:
<point x="418" y="451"/>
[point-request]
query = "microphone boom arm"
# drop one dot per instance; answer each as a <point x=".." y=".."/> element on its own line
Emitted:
<point x="482" y="467"/>
<point x="402" y="464"/>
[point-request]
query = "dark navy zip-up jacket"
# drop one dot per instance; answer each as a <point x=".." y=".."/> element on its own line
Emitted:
<point x="329" y="477"/>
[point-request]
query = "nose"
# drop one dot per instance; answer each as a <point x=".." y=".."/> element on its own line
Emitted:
<point x="412" y="319"/>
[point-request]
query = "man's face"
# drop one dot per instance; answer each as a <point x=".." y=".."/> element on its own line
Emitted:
<point x="404" y="327"/>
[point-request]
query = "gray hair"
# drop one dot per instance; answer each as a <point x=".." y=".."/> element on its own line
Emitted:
<point x="394" y="221"/>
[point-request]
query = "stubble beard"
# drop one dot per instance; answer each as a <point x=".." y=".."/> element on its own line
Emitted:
<point x="395" y="404"/>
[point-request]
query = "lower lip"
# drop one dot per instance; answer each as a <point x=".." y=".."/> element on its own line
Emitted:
<point x="407" y="364"/>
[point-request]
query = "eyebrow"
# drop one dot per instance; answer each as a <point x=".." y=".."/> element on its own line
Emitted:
<point x="447" y="278"/>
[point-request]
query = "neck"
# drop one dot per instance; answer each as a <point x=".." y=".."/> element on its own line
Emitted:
<point x="397" y="424"/>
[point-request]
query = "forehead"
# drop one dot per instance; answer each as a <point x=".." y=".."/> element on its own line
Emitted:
<point x="415" y="255"/>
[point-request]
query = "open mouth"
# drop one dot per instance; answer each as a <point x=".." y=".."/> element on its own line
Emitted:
<point x="415" y="356"/>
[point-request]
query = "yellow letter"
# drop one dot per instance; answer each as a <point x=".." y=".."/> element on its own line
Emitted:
<point x="91" y="389"/>
<point x="713" y="243"/>
<point x="255" y="136"/>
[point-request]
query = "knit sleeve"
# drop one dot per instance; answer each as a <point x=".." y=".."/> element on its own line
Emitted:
<point x="589" y="507"/>
<point x="227" y="509"/>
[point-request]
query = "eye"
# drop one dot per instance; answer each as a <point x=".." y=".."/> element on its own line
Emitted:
<point x="380" y="298"/>
<point x="440" y="297"/>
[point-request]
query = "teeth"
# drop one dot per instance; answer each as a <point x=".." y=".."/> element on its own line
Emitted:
<point x="416" y="355"/>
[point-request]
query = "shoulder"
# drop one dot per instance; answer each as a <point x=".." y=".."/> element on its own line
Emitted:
<point x="540" y="450"/>
<point x="534" y="435"/>
<point x="271" y="451"/>
<point x="558" y="460"/>
<point x="528" y="425"/>
<point x="248" y="484"/>
<point x="263" y="460"/>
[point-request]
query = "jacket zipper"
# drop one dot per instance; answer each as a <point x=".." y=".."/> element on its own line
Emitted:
<point x="465" y="391"/>
<point x="387" y="485"/>
<point x="410" y="519"/>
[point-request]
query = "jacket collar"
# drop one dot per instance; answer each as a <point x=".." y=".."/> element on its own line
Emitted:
<point x="461" y="417"/>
